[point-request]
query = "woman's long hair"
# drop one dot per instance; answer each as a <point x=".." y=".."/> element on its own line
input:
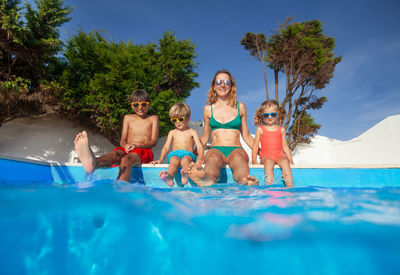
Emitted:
<point x="212" y="94"/>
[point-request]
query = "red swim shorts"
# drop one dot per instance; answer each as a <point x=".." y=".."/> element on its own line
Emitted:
<point x="146" y="155"/>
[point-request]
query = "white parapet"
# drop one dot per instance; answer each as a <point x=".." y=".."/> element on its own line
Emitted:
<point x="51" y="139"/>
<point x="379" y="145"/>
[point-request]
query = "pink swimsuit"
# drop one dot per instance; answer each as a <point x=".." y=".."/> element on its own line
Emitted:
<point x="271" y="144"/>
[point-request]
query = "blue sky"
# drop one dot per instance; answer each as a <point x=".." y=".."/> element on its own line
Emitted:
<point x="364" y="90"/>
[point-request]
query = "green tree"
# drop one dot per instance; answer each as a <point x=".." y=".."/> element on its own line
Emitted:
<point x="101" y="75"/>
<point x="305" y="56"/>
<point x="28" y="46"/>
<point x="257" y="45"/>
<point x="11" y="36"/>
<point x="29" y="43"/>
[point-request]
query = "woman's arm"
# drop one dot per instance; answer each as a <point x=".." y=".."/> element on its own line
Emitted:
<point x="207" y="128"/>
<point x="244" y="129"/>
<point x="199" y="146"/>
<point x="255" y="147"/>
<point x="285" y="146"/>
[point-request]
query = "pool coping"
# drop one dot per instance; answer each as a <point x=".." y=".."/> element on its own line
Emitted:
<point x="298" y="166"/>
<point x="14" y="170"/>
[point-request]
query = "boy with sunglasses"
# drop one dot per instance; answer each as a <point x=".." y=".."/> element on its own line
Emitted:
<point x="139" y="134"/>
<point x="274" y="147"/>
<point x="183" y="139"/>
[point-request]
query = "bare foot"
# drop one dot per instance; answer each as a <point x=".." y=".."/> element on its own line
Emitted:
<point x="288" y="183"/>
<point x="199" y="176"/>
<point x="84" y="152"/>
<point x="167" y="178"/>
<point x="184" y="176"/>
<point x="251" y="180"/>
<point x="268" y="180"/>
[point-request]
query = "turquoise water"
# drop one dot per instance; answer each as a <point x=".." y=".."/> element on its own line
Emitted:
<point x="108" y="227"/>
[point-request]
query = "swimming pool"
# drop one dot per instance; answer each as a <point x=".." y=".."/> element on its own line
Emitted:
<point x="102" y="226"/>
<point x="15" y="170"/>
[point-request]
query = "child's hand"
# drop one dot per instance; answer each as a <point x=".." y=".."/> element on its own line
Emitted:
<point x="155" y="162"/>
<point x="197" y="165"/>
<point x="129" y="147"/>
<point x="291" y="162"/>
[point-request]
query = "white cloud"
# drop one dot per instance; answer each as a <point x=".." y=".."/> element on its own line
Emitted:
<point x="350" y="75"/>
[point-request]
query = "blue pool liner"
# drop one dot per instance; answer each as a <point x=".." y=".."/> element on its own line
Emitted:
<point x="17" y="170"/>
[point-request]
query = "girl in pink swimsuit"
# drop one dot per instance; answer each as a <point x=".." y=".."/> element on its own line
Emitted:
<point x="274" y="147"/>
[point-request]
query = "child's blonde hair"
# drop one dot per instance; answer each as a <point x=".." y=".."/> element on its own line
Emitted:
<point x="258" y="119"/>
<point x="212" y="94"/>
<point x="179" y="109"/>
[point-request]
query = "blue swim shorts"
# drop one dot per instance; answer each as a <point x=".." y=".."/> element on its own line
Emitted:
<point x="180" y="154"/>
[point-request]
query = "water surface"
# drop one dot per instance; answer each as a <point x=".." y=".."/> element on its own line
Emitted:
<point x="109" y="227"/>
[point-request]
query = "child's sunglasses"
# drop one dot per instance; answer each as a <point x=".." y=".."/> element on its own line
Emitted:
<point x="225" y="81"/>
<point x="136" y="104"/>
<point x="176" y="119"/>
<point x="267" y="115"/>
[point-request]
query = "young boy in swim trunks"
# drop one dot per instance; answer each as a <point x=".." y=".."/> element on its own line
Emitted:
<point x="274" y="147"/>
<point x="139" y="134"/>
<point x="183" y="139"/>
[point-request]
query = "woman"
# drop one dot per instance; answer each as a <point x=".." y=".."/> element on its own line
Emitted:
<point x="225" y="120"/>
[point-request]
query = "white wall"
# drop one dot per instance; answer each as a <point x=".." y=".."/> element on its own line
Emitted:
<point x="51" y="139"/>
<point x="45" y="138"/>
<point x="378" y="145"/>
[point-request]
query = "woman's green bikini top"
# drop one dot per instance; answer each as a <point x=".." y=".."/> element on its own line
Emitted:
<point x="233" y="124"/>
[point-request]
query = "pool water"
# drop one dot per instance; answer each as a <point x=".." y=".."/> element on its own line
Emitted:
<point x="109" y="227"/>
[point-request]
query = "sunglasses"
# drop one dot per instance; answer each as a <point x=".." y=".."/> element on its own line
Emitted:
<point x="176" y="119"/>
<point x="225" y="81"/>
<point x="267" y="115"/>
<point x="143" y="104"/>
